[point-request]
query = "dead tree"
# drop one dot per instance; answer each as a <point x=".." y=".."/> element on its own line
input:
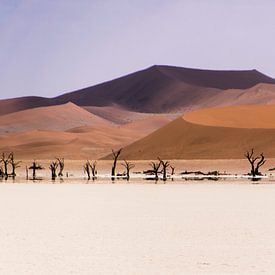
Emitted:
<point x="165" y="165"/>
<point x="53" y="167"/>
<point x="87" y="169"/>
<point x="61" y="164"/>
<point x="5" y="160"/>
<point x="155" y="169"/>
<point x="172" y="170"/>
<point x="14" y="164"/>
<point x="255" y="161"/>
<point x="128" y="166"/>
<point x="35" y="166"/>
<point x="115" y="158"/>
<point x="93" y="168"/>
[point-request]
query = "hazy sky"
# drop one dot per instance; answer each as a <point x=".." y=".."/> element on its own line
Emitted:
<point x="48" y="47"/>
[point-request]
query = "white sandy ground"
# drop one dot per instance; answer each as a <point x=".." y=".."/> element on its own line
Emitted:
<point x="137" y="228"/>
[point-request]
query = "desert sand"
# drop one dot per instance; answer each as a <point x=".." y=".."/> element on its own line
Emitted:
<point x="59" y="118"/>
<point x="215" y="133"/>
<point x="137" y="229"/>
<point x="245" y="116"/>
<point x="261" y="93"/>
<point x="72" y="132"/>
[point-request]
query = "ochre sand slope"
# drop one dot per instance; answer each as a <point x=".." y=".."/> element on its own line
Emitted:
<point x="184" y="140"/>
<point x="249" y="116"/>
<point x="59" y="118"/>
<point x="93" y="141"/>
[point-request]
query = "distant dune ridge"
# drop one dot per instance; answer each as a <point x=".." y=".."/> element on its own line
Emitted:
<point x="225" y="113"/>
<point x="158" y="89"/>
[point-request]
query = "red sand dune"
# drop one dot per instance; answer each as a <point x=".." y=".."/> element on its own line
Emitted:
<point x="248" y="116"/>
<point x="184" y="140"/>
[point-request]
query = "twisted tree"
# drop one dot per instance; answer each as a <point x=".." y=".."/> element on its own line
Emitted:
<point x="155" y="169"/>
<point x="255" y="161"/>
<point x="1" y="172"/>
<point x="5" y="160"/>
<point x="14" y="164"/>
<point x="172" y="169"/>
<point x="61" y="164"/>
<point x="115" y="156"/>
<point x="87" y="169"/>
<point x="165" y="165"/>
<point x="53" y="167"/>
<point x="93" y="168"/>
<point x="128" y="166"/>
<point x="35" y="166"/>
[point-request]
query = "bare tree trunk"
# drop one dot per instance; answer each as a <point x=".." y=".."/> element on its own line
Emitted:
<point x="87" y="169"/>
<point x="155" y="169"/>
<point x="93" y="169"/>
<point x="255" y="162"/>
<point x="128" y="166"/>
<point x="53" y="168"/>
<point x="165" y="165"/>
<point x="35" y="166"/>
<point x="14" y="165"/>
<point x="115" y="158"/>
<point x="5" y="160"/>
<point x="61" y="163"/>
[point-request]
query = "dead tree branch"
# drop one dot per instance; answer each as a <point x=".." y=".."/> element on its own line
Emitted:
<point x="115" y="158"/>
<point x="128" y="166"/>
<point x="255" y="162"/>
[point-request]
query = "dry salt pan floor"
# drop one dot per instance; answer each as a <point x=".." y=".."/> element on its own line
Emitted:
<point x="207" y="228"/>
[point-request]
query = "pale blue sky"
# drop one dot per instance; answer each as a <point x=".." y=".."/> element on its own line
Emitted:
<point x="48" y="47"/>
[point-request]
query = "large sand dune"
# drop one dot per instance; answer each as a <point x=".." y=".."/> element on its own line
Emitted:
<point x="165" y="88"/>
<point x="259" y="94"/>
<point x="59" y="118"/>
<point x="181" y="139"/>
<point x="158" y="89"/>
<point x="86" y="141"/>
<point x="248" y="116"/>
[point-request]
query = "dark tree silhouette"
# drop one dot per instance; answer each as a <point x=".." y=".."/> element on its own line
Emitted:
<point x="165" y="165"/>
<point x="5" y="160"/>
<point x="255" y="161"/>
<point x="87" y="169"/>
<point x="61" y="164"/>
<point x="14" y="164"/>
<point x="53" y="167"/>
<point x="115" y="158"/>
<point x="172" y="170"/>
<point x="93" y="168"/>
<point x="128" y="166"/>
<point x="27" y="173"/>
<point x="155" y="169"/>
<point x="35" y="166"/>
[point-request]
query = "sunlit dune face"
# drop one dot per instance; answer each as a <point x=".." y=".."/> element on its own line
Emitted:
<point x="252" y="116"/>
